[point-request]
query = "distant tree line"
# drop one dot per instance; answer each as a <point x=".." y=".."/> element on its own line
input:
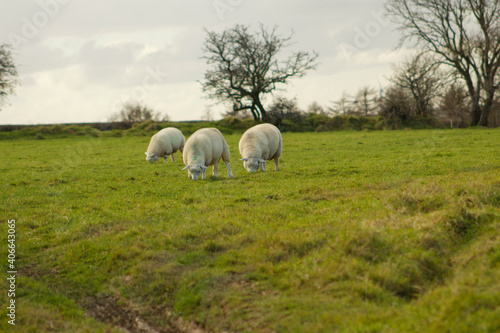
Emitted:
<point x="418" y="88"/>
<point x="454" y="76"/>
<point x="461" y="37"/>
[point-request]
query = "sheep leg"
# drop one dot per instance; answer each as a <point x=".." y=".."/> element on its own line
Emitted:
<point x="263" y="166"/>
<point x="226" y="156"/>
<point x="205" y="174"/>
<point x="172" y="157"/>
<point x="228" y="166"/>
<point x="216" y="169"/>
<point x="276" y="163"/>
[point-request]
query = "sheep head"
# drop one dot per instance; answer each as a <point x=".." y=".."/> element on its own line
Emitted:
<point x="195" y="170"/>
<point x="151" y="157"/>
<point x="252" y="164"/>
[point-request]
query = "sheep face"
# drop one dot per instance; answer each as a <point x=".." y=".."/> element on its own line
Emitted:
<point x="195" y="170"/>
<point x="151" y="157"/>
<point x="252" y="164"/>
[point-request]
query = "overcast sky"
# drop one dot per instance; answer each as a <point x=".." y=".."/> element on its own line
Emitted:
<point x="79" y="61"/>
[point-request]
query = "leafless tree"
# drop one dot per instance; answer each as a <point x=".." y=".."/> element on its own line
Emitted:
<point x="422" y="78"/>
<point x="454" y="106"/>
<point x="207" y="114"/>
<point x="365" y="101"/>
<point x="315" y="108"/>
<point x="243" y="66"/>
<point x="134" y="112"/>
<point x="343" y="105"/>
<point x="396" y="105"/>
<point x="463" y="34"/>
<point x="8" y="73"/>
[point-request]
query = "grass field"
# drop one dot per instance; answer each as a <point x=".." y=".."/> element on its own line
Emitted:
<point x="390" y="231"/>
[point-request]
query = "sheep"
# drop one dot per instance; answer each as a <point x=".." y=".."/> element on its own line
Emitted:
<point x="204" y="148"/>
<point x="165" y="143"/>
<point x="260" y="143"/>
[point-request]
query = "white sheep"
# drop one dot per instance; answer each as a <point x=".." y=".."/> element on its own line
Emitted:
<point x="204" y="148"/>
<point x="260" y="143"/>
<point x="165" y="143"/>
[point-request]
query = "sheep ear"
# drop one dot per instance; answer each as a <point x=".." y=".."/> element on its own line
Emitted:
<point x="204" y="167"/>
<point x="186" y="167"/>
<point x="262" y="161"/>
<point x="244" y="159"/>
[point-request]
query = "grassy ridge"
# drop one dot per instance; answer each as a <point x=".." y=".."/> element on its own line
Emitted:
<point x="229" y="125"/>
<point x="359" y="231"/>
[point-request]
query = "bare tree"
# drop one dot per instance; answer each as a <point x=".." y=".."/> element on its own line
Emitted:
<point x="315" y="108"/>
<point x="8" y="73"/>
<point x="454" y="105"/>
<point x="421" y="77"/>
<point x="396" y="105"/>
<point x="207" y="114"/>
<point x="134" y="112"/>
<point x="343" y="105"/>
<point x="245" y="65"/>
<point x="365" y="101"/>
<point x="463" y="34"/>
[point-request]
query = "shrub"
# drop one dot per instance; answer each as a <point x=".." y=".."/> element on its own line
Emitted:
<point x="134" y="112"/>
<point x="320" y="122"/>
<point x="149" y="126"/>
<point x="235" y="123"/>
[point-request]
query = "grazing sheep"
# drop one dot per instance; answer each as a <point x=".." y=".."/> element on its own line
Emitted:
<point x="260" y="143"/>
<point x="205" y="147"/>
<point x="164" y="143"/>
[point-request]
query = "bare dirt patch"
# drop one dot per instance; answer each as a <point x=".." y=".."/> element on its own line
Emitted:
<point x="108" y="310"/>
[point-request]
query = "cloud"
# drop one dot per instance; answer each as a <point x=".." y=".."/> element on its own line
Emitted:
<point x="92" y="18"/>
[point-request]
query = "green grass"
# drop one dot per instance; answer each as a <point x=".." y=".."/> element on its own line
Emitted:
<point x="358" y="232"/>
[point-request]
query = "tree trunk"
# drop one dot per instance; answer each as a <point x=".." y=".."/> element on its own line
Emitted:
<point x="476" y="113"/>
<point x="483" y="120"/>
<point x="260" y="107"/>
<point x="485" y="112"/>
<point x="476" y="101"/>
<point x="488" y="103"/>
<point x="254" y="114"/>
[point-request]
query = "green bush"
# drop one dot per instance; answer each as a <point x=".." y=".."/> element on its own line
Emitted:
<point x="288" y="125"/>
<point x="323" y="123"/>
<point x="383" y="123"/>
<point x="320" y="123"/>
